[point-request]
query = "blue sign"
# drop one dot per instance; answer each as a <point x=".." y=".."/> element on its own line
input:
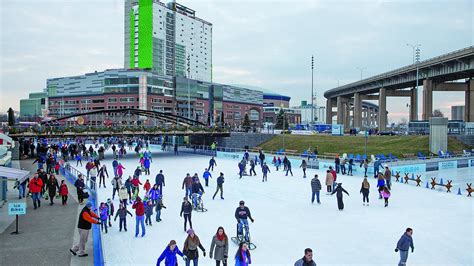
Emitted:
<point x="414" y="168"/>
<point x="17" y="208"/>
<point x="447" y="165"/>
<point x="337" y="130"/>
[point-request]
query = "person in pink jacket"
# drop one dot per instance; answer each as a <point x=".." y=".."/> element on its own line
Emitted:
<point x="385" y="194"/>
<point x="120" y="170"/>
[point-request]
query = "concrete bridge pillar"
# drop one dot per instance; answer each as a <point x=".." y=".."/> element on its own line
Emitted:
<point x="382" y="116"/>
<point x="340" y="110"/>
<point x="414" y="104"/>
<point x="357" y="113"/>
<point x="469" y="102"/>
<point x="427" y="99"/>
<point x="347" y="115"/>
<point x="329" y="111"/>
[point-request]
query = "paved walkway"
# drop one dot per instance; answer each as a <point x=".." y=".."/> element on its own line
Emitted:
<point x="47" y="233"/>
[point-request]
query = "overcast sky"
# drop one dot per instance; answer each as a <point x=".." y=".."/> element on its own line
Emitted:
<point x="261" y="43"/>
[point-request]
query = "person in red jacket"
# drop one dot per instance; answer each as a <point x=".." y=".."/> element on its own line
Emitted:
<point x="84" y="225"/>
<point x="334" y="175"/>
<point x="35" y="186"/>
<point x="136" y="186"/>
<point x="147" y="186"/>
<point x="139" y="216"/>
<point x="63" y="191"/>
<point x="56" y="168"/>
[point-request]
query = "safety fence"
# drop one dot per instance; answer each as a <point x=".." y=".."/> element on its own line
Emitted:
<point x="71" y="174"/>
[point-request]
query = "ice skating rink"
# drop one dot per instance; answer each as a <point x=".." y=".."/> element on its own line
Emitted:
<point x="286" y="222"/>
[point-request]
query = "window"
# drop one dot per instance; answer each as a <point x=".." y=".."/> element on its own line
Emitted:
<point x="98" y="101"/>
<point x="127" y="99"/>
<point x="156" y="100"/>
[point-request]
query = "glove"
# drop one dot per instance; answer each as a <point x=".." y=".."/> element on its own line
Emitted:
<point x="396" y="250"/>
<point x="412" y="249"/>
<point x="253" y="220"/>
<point x="184" y="257"/>
<point x="210" y="255"/>
<point x="180" y="215"/>
<point x="204" y="253"/>
<point x="225" y="256"/>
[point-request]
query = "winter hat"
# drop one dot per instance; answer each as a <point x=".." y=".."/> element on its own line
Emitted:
<point x="89" y="204"/>
<point x="109" y="200"/>
<point x="190" y="231"/>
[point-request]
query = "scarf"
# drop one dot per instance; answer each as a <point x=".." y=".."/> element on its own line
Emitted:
<point x="221" y="237"/>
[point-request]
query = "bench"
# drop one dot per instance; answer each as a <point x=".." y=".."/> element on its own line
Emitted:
<point x="448" y="186"/>
<point x="408" y="155"/>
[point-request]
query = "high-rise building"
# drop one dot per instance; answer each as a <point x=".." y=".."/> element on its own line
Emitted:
<point x="457" y="112"/>
<point x="168" y="39"/>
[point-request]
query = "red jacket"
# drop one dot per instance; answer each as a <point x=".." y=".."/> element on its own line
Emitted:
<point x="147" y="186"/>
<point x="57" y="166"/>
<point x="334" y="174"/>
<point x="136" y="182"/>
<point x="63" y="191"/>
<point x="139" y="208"/>
<point x="35" y="185"/>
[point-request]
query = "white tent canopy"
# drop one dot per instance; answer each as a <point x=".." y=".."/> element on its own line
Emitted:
<point x="13" y="174"/>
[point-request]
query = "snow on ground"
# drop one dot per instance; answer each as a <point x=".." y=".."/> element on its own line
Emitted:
<point x="286" y="222"/>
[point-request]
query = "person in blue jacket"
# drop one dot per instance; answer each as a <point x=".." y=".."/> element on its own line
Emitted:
<point x="146" y="164"/>
<point x="115" y="165"/>
<point x="265" y="171"/>
<point x="377" y="166"/>
<point x="405" y="242"/>
<point x="242" y="256"/>
<point x="206" y="176"/>
<point x="169" y="255"/>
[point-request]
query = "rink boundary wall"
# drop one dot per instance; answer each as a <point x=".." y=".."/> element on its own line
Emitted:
<point x="70" y="173"/>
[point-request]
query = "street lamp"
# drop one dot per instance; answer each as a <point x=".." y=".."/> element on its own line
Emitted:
<point x="312" y="90"/>
<point x="416" y="60"/>
<point x="361" y="69"/>
<point x="189" y="97"/>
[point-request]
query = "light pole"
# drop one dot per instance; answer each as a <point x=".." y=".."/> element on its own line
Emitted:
<point x="312" y="90"/>
<point x="416" y="60"/>
<point x="189" y="97"/>
<point x="361" y="69"/>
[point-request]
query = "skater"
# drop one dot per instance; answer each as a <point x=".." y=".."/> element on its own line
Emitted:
<point x="220" y="184"/>
<point x="169" y="255"/>
<point x="78" y="160"/>
<point x="285" y="163"/>
<point x="304" y="165"/>
<point x="116" y="185"/>
<point x="197" y="191"/>
<point x="206" y="176"/>
<point x="111" y="209"/>
<point x="242" y="257"/>
<point x="315" y="188"/>
<point x="86" y="219"/>
<point x="307" y="259"/>
<point x="252" y="168"/>
<point x="135" y="186"/>
<point x="241" y="166"/>
<point x="146" y="164"/>
<point x="122" y="214"/>
<point x="35" y="187"/>
<point x="343" y="166"/>
<point x="154" y="194"/>
<point x="176" y="149"/>
<point x="159" y="206"/>
<point x="57" y="166"/>
<point x="138" y="172"/>
<point x="337" y="163"/>
<point x="120" y="169"/>
<point x="186" y="209"/>
<point x="63" y="192"/>
<point x="212" y="163"/>
<point x="52" y="186"/>
<point x="339" y="189"/>
<point x="388" y="177"/>
<point x="191" y="244"/>
<point x="188" y="183"/>
<point x="265" y="171"/>
<point x="123" y="196"/>
<point x="241" y="214"/>
<point x="148" y="212"/>
<point x="385" y="194"/>
<point x="334" y="177"/>
<point x="350" y="164"/>
<point x="405" y="242"/>
<point x="79" y="184"/>
<point x="147" y="186"/>
<point x="102" y="173"/>
<point x="139" y="213"/>
<point x="93" y="175"/>
<point x="364" y="190"/>
<point x="104" y="216"/>
<point x="261" y="156"/>
<point x="128" y="186"/>
<point x="115" y="165"/>
<point x="365" y="164"/>
<point x="329" y="181"/>
<point x="288" y="168"/>
<point x="377" y="166"/>
<point x="380" y="184"/>
<point x="160" y="181"/>
<point x="219" y="247"/>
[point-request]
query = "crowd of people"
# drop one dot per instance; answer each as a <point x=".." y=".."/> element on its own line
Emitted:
<point x="141" y="196"/>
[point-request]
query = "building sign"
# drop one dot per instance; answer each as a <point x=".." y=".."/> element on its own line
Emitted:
<point x="17" y="208"/>
<point x="337" y="130"/>
<point x="447" y="165"/>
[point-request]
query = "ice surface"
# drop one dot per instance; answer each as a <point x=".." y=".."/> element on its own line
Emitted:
<point x="286" y="222"/>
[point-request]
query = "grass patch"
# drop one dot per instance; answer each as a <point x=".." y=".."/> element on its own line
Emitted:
<point x="397" y="145"/>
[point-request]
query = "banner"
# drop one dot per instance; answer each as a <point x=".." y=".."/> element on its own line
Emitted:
<point x="447" y="165"/>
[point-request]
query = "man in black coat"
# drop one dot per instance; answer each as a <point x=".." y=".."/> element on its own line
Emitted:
<point x="84" y="225"/>
<point x="339" y="190"/>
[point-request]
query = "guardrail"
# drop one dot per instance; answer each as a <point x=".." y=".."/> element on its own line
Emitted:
<point x="71" y="173"/>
